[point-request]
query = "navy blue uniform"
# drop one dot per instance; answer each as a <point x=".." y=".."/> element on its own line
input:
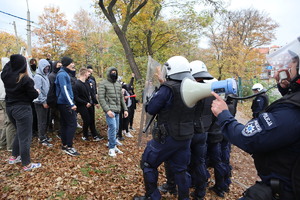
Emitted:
<point x="174" y="148"/>
<point x="259" y="103"/>
<point x="274" y="140"/>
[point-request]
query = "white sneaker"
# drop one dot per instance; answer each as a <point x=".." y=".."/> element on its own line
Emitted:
<point x="118" y="143"/>
<point x="118" y="150"/>
<point x="112" y="153"/>
<point x="127" y="134"/>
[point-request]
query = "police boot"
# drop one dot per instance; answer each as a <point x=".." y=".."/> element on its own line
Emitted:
<point x="168" y="187"/>
<point x="219" y="192"/>
<point x="195" y="197"/>
<point x="141" y="198"/>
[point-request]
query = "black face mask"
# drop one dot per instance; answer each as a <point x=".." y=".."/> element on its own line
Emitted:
<point x="33" y="67"/>
<point x="113" y="77"/>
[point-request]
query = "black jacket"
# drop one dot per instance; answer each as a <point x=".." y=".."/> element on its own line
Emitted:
<point x="22" y="92"/>
<point x="83" y="94"/>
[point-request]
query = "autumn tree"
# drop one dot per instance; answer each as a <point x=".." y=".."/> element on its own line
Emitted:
<point x="9" y="44"/>
<point x="52" y="31"/>
<point x="234" y="38"/>
<point x="119" y="14"/>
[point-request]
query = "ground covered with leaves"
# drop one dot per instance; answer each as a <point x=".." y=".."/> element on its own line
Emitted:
<point x="95" y="175"/>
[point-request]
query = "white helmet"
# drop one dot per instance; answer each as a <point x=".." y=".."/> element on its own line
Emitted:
<point x="177" y="68"/>
<point x="199" y="70"/>
<point x="258" y="87"/>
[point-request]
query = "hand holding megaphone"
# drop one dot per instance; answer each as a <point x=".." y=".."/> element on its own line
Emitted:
<point x="218" y="105"/>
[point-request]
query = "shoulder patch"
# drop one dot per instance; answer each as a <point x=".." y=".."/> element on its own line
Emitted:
<point x="251" y="128"/>
<point x="267" y="120"/>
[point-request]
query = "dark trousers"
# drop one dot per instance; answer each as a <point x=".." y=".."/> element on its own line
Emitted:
<point x="130" y="116"/>
<point x="21" y="117"/>
<point x="68" y="124"/>
<point x="42" y="115"/>
<point x="88" y="118"/>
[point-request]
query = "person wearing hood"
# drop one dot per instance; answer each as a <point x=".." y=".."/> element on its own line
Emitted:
<point x="20" y="92"/>
<point x="41" y="83"/>
<point x="52" y="99"/>
<point x="111" y="100"/>
<point x="66" y="105"/>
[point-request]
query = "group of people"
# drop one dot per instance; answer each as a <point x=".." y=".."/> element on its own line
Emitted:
<point x="53" y="93"/>
<point x="271" y="137"/>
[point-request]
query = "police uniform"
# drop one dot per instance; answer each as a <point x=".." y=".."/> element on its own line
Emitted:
<point x="259" y="103"/>
<point x="274" y="141"/>
<point x="175" y="130"/>
<point x="197" y="167"/>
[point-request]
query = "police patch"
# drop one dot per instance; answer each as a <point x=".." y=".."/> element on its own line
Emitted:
<point x="268" y="121"/>
<point x="251" y="128"/>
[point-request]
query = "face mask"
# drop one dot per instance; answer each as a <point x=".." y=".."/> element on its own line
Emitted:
<point x="33" y="67"/>
<point x="113" y="77"/>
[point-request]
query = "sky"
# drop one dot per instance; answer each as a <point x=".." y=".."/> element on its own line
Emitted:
<point x="284" y="12"/>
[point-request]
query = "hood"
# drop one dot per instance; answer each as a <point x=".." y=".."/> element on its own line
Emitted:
<point x="54" y="69"/>
<point x="41" y="66"/>
<point x="109" y="71"/>
<point x="18" y="63"/>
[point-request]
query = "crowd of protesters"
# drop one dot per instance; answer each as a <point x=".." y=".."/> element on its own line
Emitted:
<point x="43" y="96"/>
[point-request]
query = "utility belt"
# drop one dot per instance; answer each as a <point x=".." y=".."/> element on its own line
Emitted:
<point x="261" y="191"/>
<point x="159" y="133"/>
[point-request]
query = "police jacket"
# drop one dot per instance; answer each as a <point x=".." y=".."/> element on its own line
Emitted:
<point x="173" y="114"/>
<point x="274" y="140"/>
<point x="259" y="103"/>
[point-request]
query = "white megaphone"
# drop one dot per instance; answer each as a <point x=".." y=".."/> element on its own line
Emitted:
<point x="192" y="91"/>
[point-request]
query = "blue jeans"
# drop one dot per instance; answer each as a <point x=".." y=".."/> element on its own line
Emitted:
<point x="21" y="117"/>
<point x="113" y="127"/>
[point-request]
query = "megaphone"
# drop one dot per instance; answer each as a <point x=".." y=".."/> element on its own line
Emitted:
<point x="192" y="91"/>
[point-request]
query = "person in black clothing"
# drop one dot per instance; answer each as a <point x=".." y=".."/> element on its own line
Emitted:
<point x="51" y="99"/>
<point x="134" y="101"/>
<point x="91" y="79"/>
<point x="20" y="92"/>
<point x="85" y="101"/>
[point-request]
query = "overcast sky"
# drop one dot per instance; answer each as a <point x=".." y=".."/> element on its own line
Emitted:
<point x="284" y="12"/>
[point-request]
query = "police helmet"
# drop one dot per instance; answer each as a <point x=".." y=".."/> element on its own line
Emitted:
<point x="258" y="87"/>
<point x="199" y="70"/>
<point x="178" y="68"/>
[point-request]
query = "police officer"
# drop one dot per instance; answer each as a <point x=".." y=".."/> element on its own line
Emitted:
<point x="172" y="133"/>
<point x="202" y="121"/>
<point x="273" y="137"/>
<point x="260" y="102"/>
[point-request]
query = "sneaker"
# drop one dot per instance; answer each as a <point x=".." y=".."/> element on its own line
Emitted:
<point x="118" y="150"/>
<point x="98" y="138"/>
<point x="127" y="134"/>
<point x="118" y="143"/>
<point x="85" y="138"/>
<point x="46" y="143"/>
<point x="32" y="166"/>
<point x="14" y="160"/>
<point x="132" y="129"/>
<point x="49" y="139"/>
<point x="71" y="151"/>
<point x="112" y="153"/>
<point x="78" y="125"/>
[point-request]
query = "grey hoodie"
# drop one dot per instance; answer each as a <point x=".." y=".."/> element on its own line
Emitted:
<point x="41" y="82"/>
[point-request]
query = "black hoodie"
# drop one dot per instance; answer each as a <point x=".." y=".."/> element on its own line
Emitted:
<point x="22" y="92"/>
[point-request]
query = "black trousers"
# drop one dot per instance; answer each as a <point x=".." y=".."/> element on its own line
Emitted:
<point x="88" y="118"/>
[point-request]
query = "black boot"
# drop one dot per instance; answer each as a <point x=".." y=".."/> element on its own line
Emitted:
<point x="141" y="198"/>
<point x="218" y="191"/>
<point x="171" y="188"/>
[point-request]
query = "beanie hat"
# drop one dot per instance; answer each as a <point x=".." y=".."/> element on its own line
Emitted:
<point x="65" y="61"/>
<point x="18" y="63"/>
<point x="89" y="67"/>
